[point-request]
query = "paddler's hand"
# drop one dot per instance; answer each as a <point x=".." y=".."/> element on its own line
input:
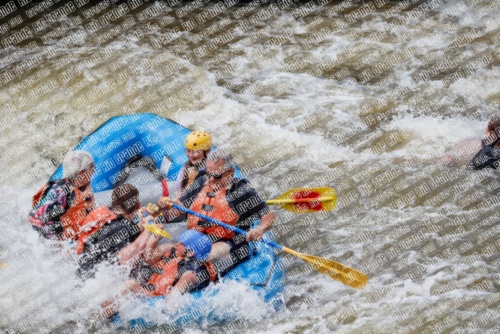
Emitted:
<point x="164" y="202"/>
<point x="152" y="209"/>
<point x="156" y="230"/>
<point x="144" y="218"/>
<point x="255" y="234"/>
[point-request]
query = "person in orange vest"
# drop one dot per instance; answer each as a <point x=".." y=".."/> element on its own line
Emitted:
<point x="108" y="234"/>
<point x="231" y="200"/>
<point x="169" y="269"/>
<point x="111" y="234"/>
<point x="183" y="266"/>
<point x="60" y="207"/>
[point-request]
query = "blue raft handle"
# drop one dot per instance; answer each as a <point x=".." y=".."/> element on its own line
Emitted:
<point x="226" y="226"/>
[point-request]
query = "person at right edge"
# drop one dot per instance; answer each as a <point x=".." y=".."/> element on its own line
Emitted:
<point x="489" y="155"/>
<point x="231" y="200"/>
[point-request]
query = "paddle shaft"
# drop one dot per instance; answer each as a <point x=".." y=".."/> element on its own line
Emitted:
<point x="226" y="226"/>
<point x="331" y="268"/>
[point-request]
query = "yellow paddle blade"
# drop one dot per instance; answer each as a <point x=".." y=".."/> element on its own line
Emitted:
<point x="349" y="276"/>
<point x="154" y="229"/>
<point x="303" y="200"/>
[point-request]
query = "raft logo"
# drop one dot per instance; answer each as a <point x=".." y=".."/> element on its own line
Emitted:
<point x="128" y="153"/>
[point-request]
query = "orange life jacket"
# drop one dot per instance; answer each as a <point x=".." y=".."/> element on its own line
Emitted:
<point x="92" y="223"/>
<point x="166" y="271"/>
<point x="72" y="220"/>
<point x="214" y="206"/>
<point x="38" y="196"/>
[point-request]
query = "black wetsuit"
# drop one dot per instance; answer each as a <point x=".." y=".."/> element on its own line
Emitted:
<point x="105" y="244"/>
<point x="488" y="157"/>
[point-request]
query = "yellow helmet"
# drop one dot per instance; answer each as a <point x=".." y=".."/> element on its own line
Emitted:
<point x="198" y="140"/>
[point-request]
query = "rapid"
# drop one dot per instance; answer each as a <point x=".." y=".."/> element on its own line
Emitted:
<point x="365" y="97"/>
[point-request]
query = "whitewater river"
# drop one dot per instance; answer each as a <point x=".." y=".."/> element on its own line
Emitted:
<point x="366" y="97"/>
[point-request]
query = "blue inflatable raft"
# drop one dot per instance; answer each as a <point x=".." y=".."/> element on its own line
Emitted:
<point x="118" y="145"/>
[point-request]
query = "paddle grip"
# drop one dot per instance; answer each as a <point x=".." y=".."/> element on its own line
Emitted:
<point x="226" y="226"/>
